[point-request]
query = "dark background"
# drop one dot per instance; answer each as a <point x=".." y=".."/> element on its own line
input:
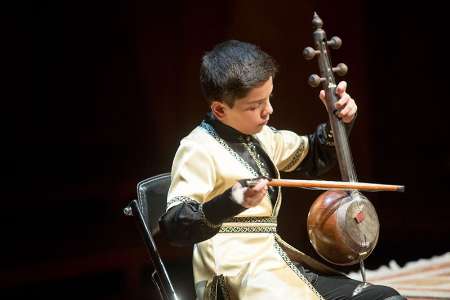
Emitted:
<point x="97" y="95"/>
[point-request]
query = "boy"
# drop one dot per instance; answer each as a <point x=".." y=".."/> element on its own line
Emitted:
<point x="237" y="251"/>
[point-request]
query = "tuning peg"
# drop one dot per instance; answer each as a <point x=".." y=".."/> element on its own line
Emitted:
<point x="335" y="42"/>
<point x="341" y="69"/>
<point x="309" y="53"/>
<point x="314" y="80"/>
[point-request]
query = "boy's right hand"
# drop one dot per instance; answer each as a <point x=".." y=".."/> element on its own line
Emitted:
<point x="249" y="196"/>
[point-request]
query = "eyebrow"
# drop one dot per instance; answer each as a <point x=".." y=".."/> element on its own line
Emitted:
<point x="260" y="100"/>
<point x="255" y="101"/>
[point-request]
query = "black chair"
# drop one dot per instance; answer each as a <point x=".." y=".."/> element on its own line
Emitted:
<point x="147" y="209"/>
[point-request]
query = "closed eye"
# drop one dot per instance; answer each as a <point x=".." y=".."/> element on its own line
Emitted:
<point x="256" y="105"/>
<point x="259" y="104"/>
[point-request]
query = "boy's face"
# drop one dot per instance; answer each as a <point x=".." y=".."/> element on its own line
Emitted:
<point x="250" y="113"/>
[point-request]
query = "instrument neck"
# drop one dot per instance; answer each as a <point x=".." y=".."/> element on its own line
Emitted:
<point x="341" y="143"/>
<point x="344" y="155"/>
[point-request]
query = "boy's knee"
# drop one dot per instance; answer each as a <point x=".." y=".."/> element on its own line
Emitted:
<point x="380" y="292"/>
<point x="396" y="297"/>
<point x="389" y="293"/>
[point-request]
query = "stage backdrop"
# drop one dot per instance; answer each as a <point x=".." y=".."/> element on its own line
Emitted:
<point x="99" y="93"/>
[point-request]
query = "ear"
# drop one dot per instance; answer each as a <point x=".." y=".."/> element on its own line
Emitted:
<point x="218" y="108"/>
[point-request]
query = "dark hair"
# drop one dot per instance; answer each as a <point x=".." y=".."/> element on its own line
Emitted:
<point x="231" y="69"/>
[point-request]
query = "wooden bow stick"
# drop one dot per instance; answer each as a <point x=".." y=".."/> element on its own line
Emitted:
<point x="327" y="185"/>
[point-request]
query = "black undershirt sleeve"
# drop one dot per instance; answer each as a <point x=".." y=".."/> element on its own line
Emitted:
<point x="321" y="156"/>
<point x="191" y="222"/>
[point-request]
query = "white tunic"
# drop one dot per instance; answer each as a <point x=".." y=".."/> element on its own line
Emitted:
<point x="247" y="258"/>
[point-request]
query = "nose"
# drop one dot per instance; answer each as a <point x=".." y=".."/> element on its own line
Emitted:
<point x="268" y="109"/>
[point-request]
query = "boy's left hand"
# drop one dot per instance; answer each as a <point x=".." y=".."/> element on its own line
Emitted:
<point x="346" y="106"/>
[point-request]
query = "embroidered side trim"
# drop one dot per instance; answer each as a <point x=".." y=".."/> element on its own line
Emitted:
<point x="291" y="265"/>
<point x="248" y="229"/>
<point x="217" y="283"/>
<point x="224" y="288"/>
<point x="296" y="158"/>
<point x="178" y="199"/>
<point x="213" y="288"/>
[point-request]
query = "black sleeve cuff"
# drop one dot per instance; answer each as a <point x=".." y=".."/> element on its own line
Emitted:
<point x="185" y="224"/>
<point x="222" y="207"/>
<point x="191" y="222"/>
